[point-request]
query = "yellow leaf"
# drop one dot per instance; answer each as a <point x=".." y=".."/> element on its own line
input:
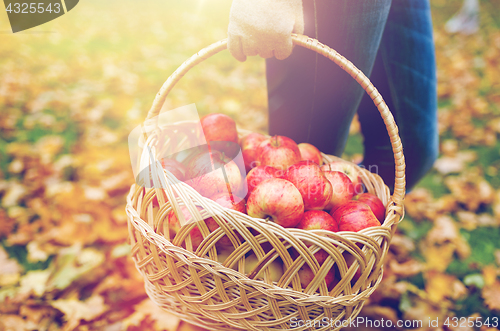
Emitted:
<point x="72" y="263"/>
<point x="444" y="230"/>
<point x="94" y="193"/>
<point x="36" y="253"/>
<point x="406" y="269"/>
<point x="162" y="319"/>
<point x="454" y="164"/>
<point x="12" y="323"/>
<point x="496" y="206"/>
<point x="189" y="327"/>
<point x="10" y="271"/>
<point x="48" y="146"/>
<point x="15" y="192"/>
<point x="491" y="295"/>
<point x="35" y="281"/>
<point x="490" y="274"/>
<point x="417" y="203"/>
<point x="75" y="310"/>
<point x="438" y="257"/>
<point x="438" y="286"/>
<point x="423" y="311"/>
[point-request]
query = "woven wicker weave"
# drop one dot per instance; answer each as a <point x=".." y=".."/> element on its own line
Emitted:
<point x="214" y="294"/>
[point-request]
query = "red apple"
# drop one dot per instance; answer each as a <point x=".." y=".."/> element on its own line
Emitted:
<point x="374" y="203"/>
<point x="250" y="148"/>
<point x="223" y="199"/>
<point x="206" y="175"/>
<point x="314" y="187"/>
<point x="266" y="246"/>
<point x="195" y="233"/>
<point x="223" y="254"/>
<point x="251" y="262"/>
<point x="156" y="201"/>
<point x="219" y="127"/>
<point x="350" y="170"/>
<point x="349" y="259"/>
<point x="343" y="189"/>
<point x="278" y="199"/>
<point x="175" y="167"/>
<point x="231" y="202"/>
<point x="259" y="174"/>
<point x="354" y="216"/>
<point x="318" y="220"/>
<point x="306" y="276"/>
<point x="310" y="152"/>
<point x="279" y="152"/>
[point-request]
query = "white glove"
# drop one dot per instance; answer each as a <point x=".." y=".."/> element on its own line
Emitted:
<point x="263" y="27"/>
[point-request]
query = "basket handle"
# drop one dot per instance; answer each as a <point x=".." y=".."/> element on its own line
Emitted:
<point x="399" y="185"/>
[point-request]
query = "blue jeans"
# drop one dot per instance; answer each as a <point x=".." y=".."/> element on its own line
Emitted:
<point x="312" y="100"/>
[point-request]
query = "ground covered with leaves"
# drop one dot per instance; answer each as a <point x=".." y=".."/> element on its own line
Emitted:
<point x="73" y="89"/>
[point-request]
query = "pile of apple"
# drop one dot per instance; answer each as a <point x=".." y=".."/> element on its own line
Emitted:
<point x="285" y="183"/>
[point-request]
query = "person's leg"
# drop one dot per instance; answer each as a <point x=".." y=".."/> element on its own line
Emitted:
<point x="313" y="101"/>
<point x="405" y="75"/>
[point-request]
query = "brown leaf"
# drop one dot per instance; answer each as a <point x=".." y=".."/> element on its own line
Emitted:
<point x="15" y="192"/>
<point x="445" y="204"/>
<point x="12" y="323"/>
<point x="438" y="257"/>
<point x="406" y="269"/>
<point x="454" y="164"/>
<point x="444" y="230"/>
<point x="437" y="285"/>
<point x="468" y="220"/>
<point x="417" y="202"/>
<point x="462" y="248"/>
<point x="449" y="147"/>
<point x="162" y="319"/>
<point x="497" y="256"/>
<point x="402" y="245"/>
<point x="35" y="314"/>
<point x="189" y="327"/>
<point x="48" y="146"/>
<point x="423" y="310"/>
<point x="75" y="310"/>
<point x="496" y="206"/>
<point x="16" y="166"/>
<point x="74" y="263"/>
<point x="6" y="224"/>
<point x="490" y="274"/>
<point x="491" y="295"/>
<point x="471" y="190"/>
<point x="10" y="271"/>
<point x="34" y="282"/>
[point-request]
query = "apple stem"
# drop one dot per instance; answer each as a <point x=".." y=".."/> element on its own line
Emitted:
<point x="228" y="185"/>
<point x="274" y="142"/>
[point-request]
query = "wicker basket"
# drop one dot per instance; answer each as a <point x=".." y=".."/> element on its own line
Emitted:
<point x="214" y="294"/>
